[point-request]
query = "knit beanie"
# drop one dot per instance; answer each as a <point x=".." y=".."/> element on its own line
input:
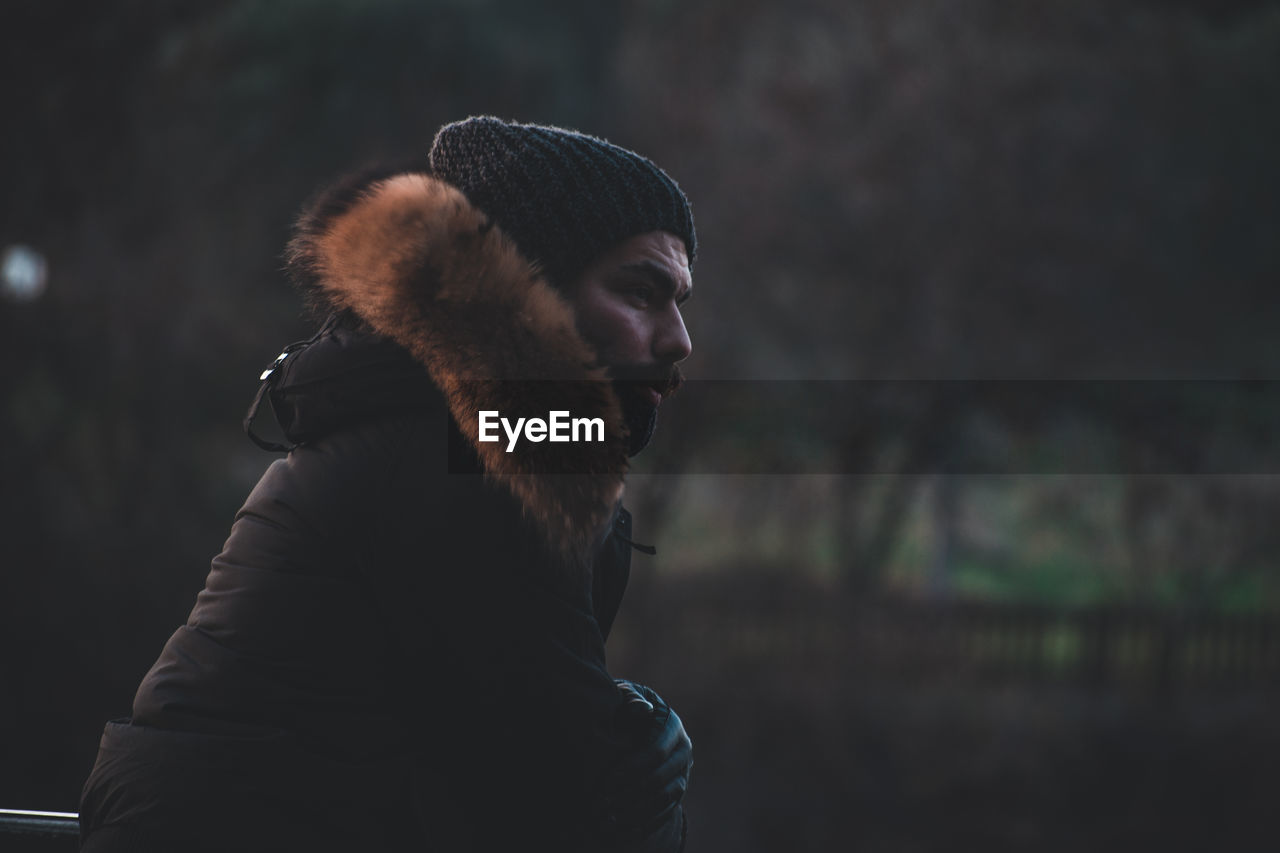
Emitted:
<point x="562" y="196"/>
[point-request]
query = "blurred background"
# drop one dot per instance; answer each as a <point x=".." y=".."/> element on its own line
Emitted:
<point x="881" y="634"/>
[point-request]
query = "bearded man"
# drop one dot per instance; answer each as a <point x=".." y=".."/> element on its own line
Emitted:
<point x="401" y="645"/>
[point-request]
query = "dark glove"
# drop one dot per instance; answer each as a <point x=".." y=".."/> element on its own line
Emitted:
<point x="641" y="793"/>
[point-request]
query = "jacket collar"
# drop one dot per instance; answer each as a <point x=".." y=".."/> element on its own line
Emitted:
<point x="422" y="266"/>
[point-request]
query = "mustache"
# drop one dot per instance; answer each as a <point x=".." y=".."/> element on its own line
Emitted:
<point x="667" y="380"/>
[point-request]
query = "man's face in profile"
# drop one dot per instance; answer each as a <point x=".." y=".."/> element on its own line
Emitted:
<point x="627" y="304"/>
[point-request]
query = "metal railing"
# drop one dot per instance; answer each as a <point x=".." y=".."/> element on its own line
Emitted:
<point x="20" y="822"/>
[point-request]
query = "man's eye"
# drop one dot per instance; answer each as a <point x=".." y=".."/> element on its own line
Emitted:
<point x="639" y="292"/>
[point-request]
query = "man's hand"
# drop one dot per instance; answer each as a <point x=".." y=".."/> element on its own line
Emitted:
<point x="641" y="792"/>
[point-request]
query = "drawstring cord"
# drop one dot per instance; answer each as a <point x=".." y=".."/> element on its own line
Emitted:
<point x="643" y="549"/>
<point x="618" y="527"/>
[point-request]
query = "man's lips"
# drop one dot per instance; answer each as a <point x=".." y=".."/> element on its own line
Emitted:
<point x="650" y="388"/>
<point x="650" y="393"/>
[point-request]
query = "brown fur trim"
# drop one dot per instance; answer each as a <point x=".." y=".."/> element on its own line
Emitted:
<point x="419" y="264"/>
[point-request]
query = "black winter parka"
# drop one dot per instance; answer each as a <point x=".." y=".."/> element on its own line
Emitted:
<point x="401" y="645"/>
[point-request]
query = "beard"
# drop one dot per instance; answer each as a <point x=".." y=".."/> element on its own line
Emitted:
<point x="639" y="414"/>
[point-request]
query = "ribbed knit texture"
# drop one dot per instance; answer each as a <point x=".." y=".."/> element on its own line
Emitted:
<point x="562" y="196"/>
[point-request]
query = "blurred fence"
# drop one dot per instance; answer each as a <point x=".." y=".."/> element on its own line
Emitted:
<point x="809" y="631"/>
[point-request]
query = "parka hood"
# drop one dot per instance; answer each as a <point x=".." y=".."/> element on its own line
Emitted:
<point x="419" y="265"/>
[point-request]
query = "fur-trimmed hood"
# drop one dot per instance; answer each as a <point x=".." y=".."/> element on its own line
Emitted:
<point x="419" y="264"/>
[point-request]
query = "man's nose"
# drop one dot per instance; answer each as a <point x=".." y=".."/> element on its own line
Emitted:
<point x="671" y="342"/>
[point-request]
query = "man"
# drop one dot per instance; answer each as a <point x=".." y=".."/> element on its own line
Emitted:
<point x="401" y="646"/>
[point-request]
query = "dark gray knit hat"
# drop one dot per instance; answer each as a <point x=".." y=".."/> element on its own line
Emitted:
<point x="562" y="196"/>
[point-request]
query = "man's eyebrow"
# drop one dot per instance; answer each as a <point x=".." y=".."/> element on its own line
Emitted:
<point x="657" y="275"/>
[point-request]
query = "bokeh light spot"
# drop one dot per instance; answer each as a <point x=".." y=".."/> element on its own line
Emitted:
<point x="23" y="274"/>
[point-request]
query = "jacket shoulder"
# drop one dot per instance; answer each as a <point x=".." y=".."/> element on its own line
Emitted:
<point x="314" y="511"/>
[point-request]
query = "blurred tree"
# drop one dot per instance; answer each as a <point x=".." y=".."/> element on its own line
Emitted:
<point x="924" y="190"/>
